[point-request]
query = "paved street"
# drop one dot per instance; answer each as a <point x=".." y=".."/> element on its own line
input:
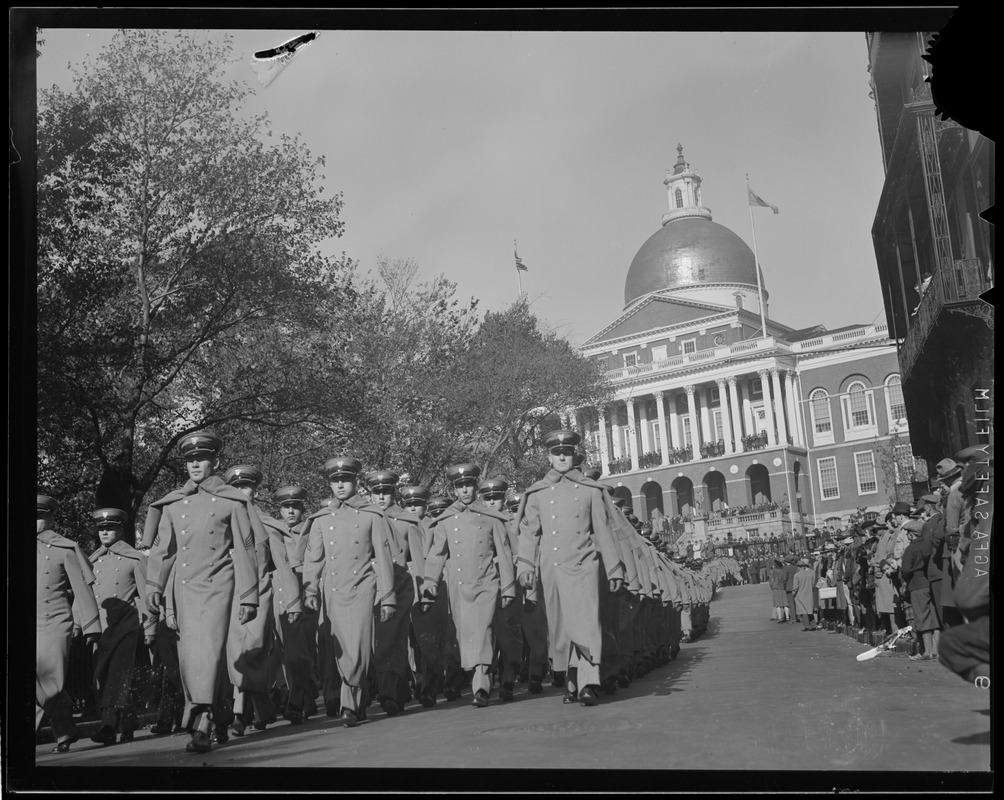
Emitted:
<point x="748" y="695"/>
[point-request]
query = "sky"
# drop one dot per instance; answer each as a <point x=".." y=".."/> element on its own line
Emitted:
<point x="448" y="146"/>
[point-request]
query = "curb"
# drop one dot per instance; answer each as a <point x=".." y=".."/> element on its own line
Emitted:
<point x="86" y="729"/>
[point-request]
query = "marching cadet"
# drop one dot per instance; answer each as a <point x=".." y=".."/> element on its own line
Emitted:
<point x="453" y="675"/>
<point x="533" y="620"/>
<point x="120" y="591"/>
<point x="565" y="517"/>
<point x="64" y="609"/>
<point x="466" y="539"/>
<point x="390" y="644"/>
<point x="197" y="527"/>
<point x="249" y="645"/>
<point x="347" y="572"/>
<point x="296" y="633"/>
<point x="506" y="623"/>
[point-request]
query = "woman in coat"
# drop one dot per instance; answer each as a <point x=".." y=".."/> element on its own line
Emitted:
<point x="779" y="597"/>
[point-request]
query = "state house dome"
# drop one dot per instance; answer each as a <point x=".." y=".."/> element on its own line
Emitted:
<point x="690" y="250"/>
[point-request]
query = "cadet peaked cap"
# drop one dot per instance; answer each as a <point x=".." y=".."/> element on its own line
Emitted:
<point x="243" y="473"/>
<point x="493" y="487"/>
<point x="969" y="453"/>
<point x="561" y="438"/>
<point x="382" y="479"/>
<point x="463" y="473"/>
<point x="947" y="468"/>
<point x="414" y="495"/>
<point x="200" y="442"/>
<point x="106" y="517"/>
<point x="45" y="504"/>
<point x="901" y="508"/>
<point x="513" y="502"/>
<point x="290" y="496"/>
<point x="438" y="503"/>
<point x="593" y="473"/>
<point x="337" y="467"/>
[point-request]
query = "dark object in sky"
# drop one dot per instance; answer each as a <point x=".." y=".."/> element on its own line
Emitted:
<point x="287" y="47"/>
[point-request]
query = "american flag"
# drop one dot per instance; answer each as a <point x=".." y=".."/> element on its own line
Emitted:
<point x="519" y="262"/>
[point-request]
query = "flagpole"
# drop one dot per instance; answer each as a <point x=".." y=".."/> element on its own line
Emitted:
<point x="756" y="259"/>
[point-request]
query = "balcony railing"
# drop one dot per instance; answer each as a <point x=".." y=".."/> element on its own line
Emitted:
<point x="755" y="441"/>
<point x="753" y="345"/>
<point x="955" y="284"/>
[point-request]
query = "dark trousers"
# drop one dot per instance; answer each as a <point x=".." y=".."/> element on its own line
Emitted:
<point x="171" y="704"/>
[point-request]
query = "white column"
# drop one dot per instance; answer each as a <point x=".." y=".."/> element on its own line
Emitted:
<point x="789" y="396"/>
<point x="748" y="406"/>
<point x="663" y="433"/>
<point x="632" y="425"/>
<point x="768" y="405"/>
<point x="799" y="408"/>
<point x="604" y="445"/>
<point x="726" y="425"/>
<point x="782" y="427"/>
<point x="737" y="431"/>
<point x="617" y="435"/>
<point x="707" y="433"/>
<point x="674" y="423"/>
<point x="695" y="447"/>
<point x="646" y="438"/>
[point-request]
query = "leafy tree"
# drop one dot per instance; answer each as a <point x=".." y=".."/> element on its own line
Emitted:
<point x="180" y="279"/>
<point x="510" y="388"/>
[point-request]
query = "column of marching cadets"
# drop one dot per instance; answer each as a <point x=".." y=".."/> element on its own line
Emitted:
<point x="384" y="594"/>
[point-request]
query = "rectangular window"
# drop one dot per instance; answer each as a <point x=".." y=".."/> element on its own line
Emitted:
<point x="714" y="397"/>
<point x="630" y="359"/>
<point x="660" y="353"/>
<point x="756" y="389"/>
<point x="864" y="467"/>
<point x="688" y="346"/>
<point x="904" y="463"/>
<point x="656" y="437"/>
<point x="828" y="478"/>
<point x="687" y="442"/>
<point x="719" y="429"/>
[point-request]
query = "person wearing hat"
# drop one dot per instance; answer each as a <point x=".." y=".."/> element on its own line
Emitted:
<point x="191" y="567"/>
<point x="453" y="678"/>
<point x="803" y="585"/>
<point x="790" y="569"/>
<point x="390" y="640"/>
<point x="949" y="474"/>
<point x="348" y="571"/>
<point x="295" y="648"/>
<point x="885" y="563"/>
<point x="253" y="672"/>
<point x="119" y="588"/>
<point x="471" y="543"/>
<point x="778" y="596"/>
<point x="535" y="660"/>
<point x="507" y="622"/>
<point x="913" y="576"/>
<point x="64" y="609"/>
<point x="565" y="517"/>
<point x="428" y="629"/>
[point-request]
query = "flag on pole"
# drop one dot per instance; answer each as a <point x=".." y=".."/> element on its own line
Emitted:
<point x="756" y="200"/>
<point x="520" y="266"/>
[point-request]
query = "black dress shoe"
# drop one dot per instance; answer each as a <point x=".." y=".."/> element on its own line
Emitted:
<point x="64" y="747"/>
<point x="221" y="735"/>
<point x="506" y="692"/>
<point x="257" y="725"/>
<point x="239" y="726"/>
<point x="558" y="679"/>
<point x="480" y="699"/>
<point x="390" y="707"/>
<point x="332" y="708"/>
<point x="161" y="728"/>
<point x="427" y="700"/>
<point x="104" y="735"/>
<point x="200" y="743"/>
<point x="451" y="694"/>
<point x="349" y="719"/>
<point x="128" y="736"/>
<point x="623" y="680"/>
<point x="570" y="697"/>
<point x="293" y="715"/>
<point x="587" y="697"/>
<point x="536" y="687"/>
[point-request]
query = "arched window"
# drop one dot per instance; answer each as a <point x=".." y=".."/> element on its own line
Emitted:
<point x="859" y="407"/>
<point x="895" y="403"/>
<point x="679" y="199"/>
<point x="819" y="410"/>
